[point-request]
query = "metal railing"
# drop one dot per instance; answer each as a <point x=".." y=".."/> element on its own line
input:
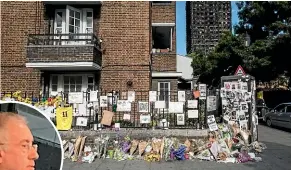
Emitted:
<point x="94" y="114"/>
<point x="63" y="40"/>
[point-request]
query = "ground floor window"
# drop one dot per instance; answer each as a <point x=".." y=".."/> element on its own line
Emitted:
<point x="164" y="92"/>
<point x="71" y="83"/>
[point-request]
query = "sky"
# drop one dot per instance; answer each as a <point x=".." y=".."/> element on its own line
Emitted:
<point x="181" y="24"/>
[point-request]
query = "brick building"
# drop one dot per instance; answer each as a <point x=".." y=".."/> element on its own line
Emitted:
<point x="75" y="46"/>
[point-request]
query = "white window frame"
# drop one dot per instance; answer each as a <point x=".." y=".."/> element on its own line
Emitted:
<point x="61" y="82"/>
<point x="65" y="26"/>
<point x="171" y="25"/>
<point x="169" y="91"/>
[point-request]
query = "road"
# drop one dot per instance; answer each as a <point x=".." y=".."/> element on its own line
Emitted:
<point x="276" y="156"/>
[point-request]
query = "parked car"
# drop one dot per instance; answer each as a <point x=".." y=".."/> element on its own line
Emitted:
<point x="261" y="108"/>
<point x="279" y="116"/>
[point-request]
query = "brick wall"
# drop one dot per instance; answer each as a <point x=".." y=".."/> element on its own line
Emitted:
<point x="164" y="62"/>
<point x="124" y="28"/>
<point x="18" y="19"/>
<point x="165" y="14"/>
<point x="68" y="54"/>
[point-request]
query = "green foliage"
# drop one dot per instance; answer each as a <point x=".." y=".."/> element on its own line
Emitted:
<point x="268" y="25"/>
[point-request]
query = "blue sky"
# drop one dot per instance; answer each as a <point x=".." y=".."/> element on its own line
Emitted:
<point x="181" y="24"/>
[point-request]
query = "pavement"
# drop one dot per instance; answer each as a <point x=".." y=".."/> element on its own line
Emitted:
<point x="276" y="156"/>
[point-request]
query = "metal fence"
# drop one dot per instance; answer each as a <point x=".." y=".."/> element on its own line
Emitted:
<point x="94" y="113"/>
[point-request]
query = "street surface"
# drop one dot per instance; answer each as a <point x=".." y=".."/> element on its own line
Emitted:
<point x="276" y="156"/>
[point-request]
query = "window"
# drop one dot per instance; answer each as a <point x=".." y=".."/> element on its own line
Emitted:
<point x="72" y="83"/>
<point x="72" y="20"/>
<point x="54" y="83"/>
<point x="280" y="108"/>
<point x="164" y="92"/>
<point x="288" y="109"/>
<point x="162" y="37"/>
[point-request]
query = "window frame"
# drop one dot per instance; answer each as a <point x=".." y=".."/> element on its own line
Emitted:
<point x="169" y="92"/>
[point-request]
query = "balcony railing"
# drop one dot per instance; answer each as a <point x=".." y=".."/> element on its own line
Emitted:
<point x="64" y="48"/>
<point x="63" y="40"/>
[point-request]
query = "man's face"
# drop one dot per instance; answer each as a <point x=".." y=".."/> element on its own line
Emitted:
<point x="18" y="152"/>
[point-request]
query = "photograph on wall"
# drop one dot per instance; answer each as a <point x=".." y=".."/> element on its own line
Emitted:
<point x="227" y="86"/>
<point x="233" y="86"/>
<point x="243" y="125"/>
<point x="81" y="121"/>
<point x="145" y="119"/>
<point x="103" y="101"/>
<point x="244" y="86"/>
<point x="230" y="94"/>
<point x="222" y="93"/>
<point x="181" y="96"/>
<point x="238" y="86"/>
<point x="211" y="103"/>
<point x="143" y="107"/>
<point x="180" y="119"/>
<point x="123" y="106"/>
<point x="247" y="97"/>
<point x="212" y="123"/>
<point x="244" y="106"/>
<point x="233" y="115"/>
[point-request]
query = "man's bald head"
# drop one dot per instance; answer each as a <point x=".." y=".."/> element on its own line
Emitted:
<point x="5" y="119"/>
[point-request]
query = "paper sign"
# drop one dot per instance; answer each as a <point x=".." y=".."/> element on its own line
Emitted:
<point x="176" y="107"/>
<point x="81" y="121"/>
<point x="202" y="89"/>
<point x="192" y="104"/>
<point x="117" y="126"/>
<point x="123" y="106"/>
<point x="143" y="107"/>
<point x="64" y="118"/>
<point x="131" y="96"/>
<point x="152" y="96"/>
<point x="94" y="96"/>
<point x="193" y="114"/>
<point x="103" y="101"/>
<point x="160" y="104"/>
<point x="48" y="111"/>
<point x="180" y="119"/>
<point x="145" y="119"/>
<point x="212" y="123"/>
<point x="107" y="118"/>
<point x="181" y="96"/>
<point x="126" y="116"/>
<point x="227" y="86"/>
<point x="76" y="97"/>
<point x="211" y="103"/>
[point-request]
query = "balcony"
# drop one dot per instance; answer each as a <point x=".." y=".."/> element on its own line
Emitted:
<point x="64" y="52"/>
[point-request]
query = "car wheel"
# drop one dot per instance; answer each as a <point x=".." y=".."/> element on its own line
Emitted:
<point x="269" y="122"/>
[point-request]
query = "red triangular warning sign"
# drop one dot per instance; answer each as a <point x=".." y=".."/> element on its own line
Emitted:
<point x="239" y="71"/>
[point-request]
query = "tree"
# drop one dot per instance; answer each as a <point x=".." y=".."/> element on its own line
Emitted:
<point x="268" y="25"/>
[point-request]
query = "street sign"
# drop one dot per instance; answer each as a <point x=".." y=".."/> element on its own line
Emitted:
<point x="239" y="71"/>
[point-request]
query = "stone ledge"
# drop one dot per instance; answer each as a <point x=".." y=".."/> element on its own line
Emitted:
<point x="138" y="133"/>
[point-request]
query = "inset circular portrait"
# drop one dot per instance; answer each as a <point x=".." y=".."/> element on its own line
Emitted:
<point x="28" y="139"/>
